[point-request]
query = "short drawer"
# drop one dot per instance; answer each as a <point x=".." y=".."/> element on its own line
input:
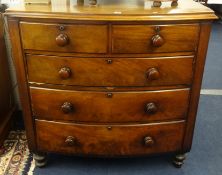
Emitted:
<point x="110" y="71"/>
<point x="121" y="140"/>
<point x="110" y="107"/>
<point x="154" y="39"/>
<point x="64" y="37"/>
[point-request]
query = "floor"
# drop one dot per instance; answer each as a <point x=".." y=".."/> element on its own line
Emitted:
<point x="213" y="70"/>
<point x="206" y="155"/>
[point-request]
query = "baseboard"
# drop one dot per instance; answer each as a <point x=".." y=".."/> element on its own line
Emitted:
<point x="6" y="125"/>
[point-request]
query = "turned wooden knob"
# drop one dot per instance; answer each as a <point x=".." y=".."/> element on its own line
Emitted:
<point x="157" y="3"/>
<point x="67" y="108"/>
<point x="153" y="74"/>
<point x="80" y="2"/>
<point x="157" y="40"/>
<point x="174" y="3"/>
<point x="65" y="73"/>
<point x="71" y="141"/>
<point x="62" y="40"/>
<point x="151" y="108"/>
<point x="148" y="141"/>
<point x="92" y="2"/>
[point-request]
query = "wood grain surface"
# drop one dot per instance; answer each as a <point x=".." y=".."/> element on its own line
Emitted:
<point x="81" y="38"/>
<point x="112" y="10"/>
<point x="105" y="140"/>
<point x="110" y="71"/>
<point x="99" y="107"/>
<point x="138" y="38"/>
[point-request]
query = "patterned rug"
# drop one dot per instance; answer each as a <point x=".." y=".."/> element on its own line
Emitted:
<point x="15" y="158"/>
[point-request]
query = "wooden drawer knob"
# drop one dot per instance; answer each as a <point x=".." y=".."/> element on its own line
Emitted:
<point x="62" y="40"/>
<point x="67" y="108"/>
<point x="65" y="73"/>
<point x="70" y="141"/>
<point x="157" y="40"/>
<point x="151" y="108"/>
<point x="153" y="74"/>
<point x="80" y="2"/>
<point x="158" y="3"/>
<point x="92" y="2"/>
<point x="148" y="141"/>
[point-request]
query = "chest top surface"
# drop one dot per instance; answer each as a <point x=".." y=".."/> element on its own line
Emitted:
<point x="112" y="10"/>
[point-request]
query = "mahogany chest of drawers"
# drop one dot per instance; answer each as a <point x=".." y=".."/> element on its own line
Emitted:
<point x="110" y="80"/>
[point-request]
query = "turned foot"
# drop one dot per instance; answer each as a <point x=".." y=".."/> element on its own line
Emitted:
<point x="40" y="159"/>
<point x="179" y="160"/>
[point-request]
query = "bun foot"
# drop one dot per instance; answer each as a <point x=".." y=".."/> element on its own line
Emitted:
<point x="179" y="160"/>
<point x="40" y="159"/>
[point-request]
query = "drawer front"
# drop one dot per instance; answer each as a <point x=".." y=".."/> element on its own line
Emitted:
<point x="113" y="107"/>
<point x="64" y="38"/>
<point x="109" y="140"/>
<point x="154" y="39"/>
<point x="110" y="72"/>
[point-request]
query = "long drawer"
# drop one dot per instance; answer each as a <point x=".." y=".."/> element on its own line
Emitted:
<point x="110" y="72"/>
<point x="109" y="107"/>
<point x="121" y="140"/>
<point x="64" y="37"/>
<point x="154" y="39"/>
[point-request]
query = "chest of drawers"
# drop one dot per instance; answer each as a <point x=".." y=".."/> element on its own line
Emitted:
<point x="119" y="80"/>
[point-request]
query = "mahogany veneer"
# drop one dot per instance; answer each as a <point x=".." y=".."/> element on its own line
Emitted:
<point x="157" y="71"/>
<point x="156" y="38"/>
<point x="109" y="107"/>
<point x="110" y="80"/>
<point x="118" y="139"/>
<point x="64" y="38"/>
